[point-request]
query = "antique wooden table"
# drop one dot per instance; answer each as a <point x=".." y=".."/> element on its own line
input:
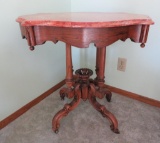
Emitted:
<point x="79" y="30"/>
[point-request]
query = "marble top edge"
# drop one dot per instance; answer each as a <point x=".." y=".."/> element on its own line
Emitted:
<point x="84" y="19"/>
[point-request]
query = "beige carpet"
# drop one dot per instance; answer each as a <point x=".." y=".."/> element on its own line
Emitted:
<point x="138" y="123"/>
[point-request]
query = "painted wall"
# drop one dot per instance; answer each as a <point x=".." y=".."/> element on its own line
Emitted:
<point x="24" y="75"/>
<point x="142" y="75"/>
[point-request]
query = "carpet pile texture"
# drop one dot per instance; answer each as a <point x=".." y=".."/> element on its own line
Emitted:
<point x="138" y="123"/>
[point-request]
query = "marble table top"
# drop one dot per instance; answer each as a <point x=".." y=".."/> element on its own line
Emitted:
<point x="84" y="19"/>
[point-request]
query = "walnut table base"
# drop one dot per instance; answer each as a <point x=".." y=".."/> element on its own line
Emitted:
<point x="84" y="89"/>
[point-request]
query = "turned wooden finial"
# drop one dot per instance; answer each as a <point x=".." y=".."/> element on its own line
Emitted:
<point x="31" y="48"/>
<point x="142" y="45"/>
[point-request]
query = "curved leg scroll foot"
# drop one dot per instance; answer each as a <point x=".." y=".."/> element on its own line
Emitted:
<point x="105" y="113"/>
<point x="67" y="108"/>
<point x="105" y="92"/>
<point x="100" y="92"/>
<point x="114" y="130"/>
<point x="108" y="95"/>
<point x="66" y="92"/>
<point x="56" y="131"/>
<point x="62" y="96"/>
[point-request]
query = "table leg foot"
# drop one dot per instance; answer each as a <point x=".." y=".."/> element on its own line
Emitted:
<point x="67" y="108"/>
<point x="105" y="113"/>
<point x="105" y="92"/>
<point x="66" y="92"/>
<point x="62" y="96"/>
<point x="100" y="92"/>
<point x="56" y="131"/>
<point x="108" y="95"/>
<point x="114" y="130"/>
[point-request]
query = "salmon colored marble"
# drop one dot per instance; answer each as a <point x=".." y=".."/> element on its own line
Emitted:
<point x="92" y="19"/>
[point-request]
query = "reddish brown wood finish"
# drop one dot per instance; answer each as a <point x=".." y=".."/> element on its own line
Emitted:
<point x="80" y="34"/>
<point x="82" y="37"/>
<point x="67" y="108"/>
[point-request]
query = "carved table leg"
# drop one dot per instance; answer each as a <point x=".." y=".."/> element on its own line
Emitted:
<point x="102" y="91"/>
<point x="108" y="94"/>
<point x="67" y="108"/>
<point x="102" y="109"/>
<point x="69" y="66"/>
<point x="68" y="91"/>
<point x="100" y="69"/>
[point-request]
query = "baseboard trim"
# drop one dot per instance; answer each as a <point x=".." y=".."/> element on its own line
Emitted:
<point x="141" y="98"/>
<point x="25" y="108"/>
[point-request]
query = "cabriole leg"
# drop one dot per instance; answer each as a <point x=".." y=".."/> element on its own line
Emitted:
<point x="67" y="108"/>
<point x="105" y="113"/>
